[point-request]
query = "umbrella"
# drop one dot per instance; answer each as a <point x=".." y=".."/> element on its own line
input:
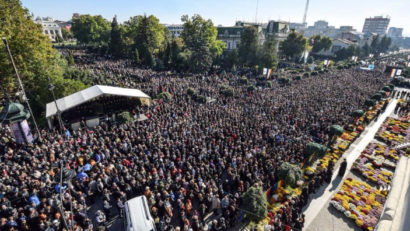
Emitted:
<point x="87" y="167"/>
<point x="34" y="199"/>
<point x="82" y="175"/>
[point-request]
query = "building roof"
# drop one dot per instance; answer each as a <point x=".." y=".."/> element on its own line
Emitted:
<point x="88" y="94"/>
<point x="345" y="41"/>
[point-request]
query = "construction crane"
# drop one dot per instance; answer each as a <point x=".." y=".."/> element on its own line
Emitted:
<point x="304" y="16"/>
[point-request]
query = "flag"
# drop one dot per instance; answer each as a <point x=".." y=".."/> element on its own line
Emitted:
<point x="393" y="72"/>
<point x="269" y="73"/>
<point x="303" y="164"/>
<point x="265" y="71"/>
<point x="371" y="66"/>
<point x="371" y="55"/>
<point x="280" y="183"/>
<point x="326" y="62"/>
<point x="398" y="72"/>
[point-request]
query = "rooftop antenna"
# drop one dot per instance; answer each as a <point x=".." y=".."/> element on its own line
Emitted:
<point x="256" y="13"/>
<point x="304" y="16"/>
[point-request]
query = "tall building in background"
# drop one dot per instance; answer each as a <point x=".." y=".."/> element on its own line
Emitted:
<point x="376" y="25"/>
<point x="395" y="32"/>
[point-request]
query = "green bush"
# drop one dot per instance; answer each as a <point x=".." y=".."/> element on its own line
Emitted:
<point x="228" y="92"/>
<point x="191" y="91"/>
<point x="306" y="74"/>
<point x="251" y="88"/>
<point x="124" y="117"/>
<point x="313" y="73"/>
<point x="244" y="80"/>
<point x="166" y="96"/>
<point x="255" y="203"/>
<point x="298" y="77"/>
<point x="200" y="99"/>
<point x="269" y="84"/>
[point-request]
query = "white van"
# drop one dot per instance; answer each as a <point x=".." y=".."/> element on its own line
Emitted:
<point x="138" y="216"/>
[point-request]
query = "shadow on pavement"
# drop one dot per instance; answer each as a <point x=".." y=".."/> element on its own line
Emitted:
<point x="336" y="183"/>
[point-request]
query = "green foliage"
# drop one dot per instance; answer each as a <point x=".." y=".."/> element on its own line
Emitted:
<point x="191" y="91"/>
<point x="306" y="74"/>
<point x="254" y="203"/>
<point x="369" y="103"/>
<point x="244" y="80"/>
<point x="298" y="77"/>
<point x="321" y="43"/>
<point x="336" y="130"/>
<point x="268" y="53"/>
<point x="269" y="84"/>
<point x="228" y="92"/>
<point x="248" y="47"/>
<point x="290" y="174"/>
<point x="313" y="73"/>
<point x="67" y="34"/>
<point x="345" y="54"/>
<point x="70" y="58"/>
<point x="34" y="57"/>
<point x="377" y="97"/>
<point x="358" y="113"/>
<point x="314" y="148"/>
<point x="89" y="29"/>
<point x="166" y="96"/>
<point x="293" y="46"/>
<point x="124" y="117"/>
<point x="251" y="88"/>
<point x="199" y="36"/>
<point x="386" y="88"/>
<point x="200" y="99"/>
<point x="116" y="46"/>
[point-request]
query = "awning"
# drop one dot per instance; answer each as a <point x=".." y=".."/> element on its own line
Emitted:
<point x="88" y="94"/>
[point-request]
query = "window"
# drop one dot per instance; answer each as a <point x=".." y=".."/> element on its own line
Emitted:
<point x="51" y="32"/>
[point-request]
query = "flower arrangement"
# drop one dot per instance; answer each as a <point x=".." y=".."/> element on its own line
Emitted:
<point x="360" y="202"/>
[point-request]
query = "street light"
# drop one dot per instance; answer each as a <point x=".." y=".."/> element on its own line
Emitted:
<point x="51" y="88"/>
<point x="24" y="97"/>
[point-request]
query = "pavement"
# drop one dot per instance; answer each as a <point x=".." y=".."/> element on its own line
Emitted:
<point x="319" y="215"/>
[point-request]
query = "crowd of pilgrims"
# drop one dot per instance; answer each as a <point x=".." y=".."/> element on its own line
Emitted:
<point x="192" y="161"/>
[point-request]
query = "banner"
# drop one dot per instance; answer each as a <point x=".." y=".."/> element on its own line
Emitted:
<point x="265" y="71"/>
<point x="371" y="67"/>
<point x="398" y="72"/>
<point x="393" y="72"/>
<point x="269" y="73"/>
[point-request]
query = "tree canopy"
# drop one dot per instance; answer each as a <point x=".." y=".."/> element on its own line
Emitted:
<point x="254" y="203"/>
<point x="294" y="45"/>
<point x="321" y="43"/>
<point x="199" y="36"/>
<point x="89" y="29"/>
<point x="34" y="56"/>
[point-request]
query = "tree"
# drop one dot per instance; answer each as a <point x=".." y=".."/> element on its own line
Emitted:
<point x="67" y="34"/>
<point x="293" y="46"/>
<point x="254" y="203"/>
<point x="248" y="47"/>
<point x="116" y="46"/>
<point x="268" y="57"/>
<point x="384" y="44"/>
<point x="34" y="57"/>
<point x="89" y="29"/>
<point x="365" y="51"/>
<point x="199" y="36"/>
<point x="145" y="34"/>
<point x="321" y="43"/>
<point x="347" y="53"/>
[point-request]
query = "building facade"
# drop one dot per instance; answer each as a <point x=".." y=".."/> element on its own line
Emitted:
<point x="231" y="35"/>
<point x="395" y="32"/>
<point x="376" y="25"/>
<point x="175" y="29"/>
<point x="50" y="27"/>
<point x="337" y="45"/>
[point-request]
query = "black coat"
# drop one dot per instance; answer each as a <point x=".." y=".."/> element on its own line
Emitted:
<point x="342" y="169"/>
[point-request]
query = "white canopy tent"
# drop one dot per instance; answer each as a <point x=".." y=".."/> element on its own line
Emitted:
<point x="88" y="94"/>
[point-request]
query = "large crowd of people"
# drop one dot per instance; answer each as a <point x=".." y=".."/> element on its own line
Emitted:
<point x="192" y="161"/>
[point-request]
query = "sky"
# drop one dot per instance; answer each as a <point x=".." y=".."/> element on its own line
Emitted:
<point x="226" y="12"/>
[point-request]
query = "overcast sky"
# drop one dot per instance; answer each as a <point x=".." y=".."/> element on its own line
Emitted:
<point x="226" y="12"/>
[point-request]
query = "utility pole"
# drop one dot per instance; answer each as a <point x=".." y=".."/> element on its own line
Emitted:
<point x="305" y="16"/>
<point x="51" y="88"/>
<point x="256" y="12"/>
<point x="21" y="86"/>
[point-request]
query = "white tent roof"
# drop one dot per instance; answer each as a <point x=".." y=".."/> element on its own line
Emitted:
<point x="89" y="94"/>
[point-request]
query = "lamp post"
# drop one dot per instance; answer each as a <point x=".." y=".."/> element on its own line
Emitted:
<point x="51" y="88"/>
<point x="24" y="97"/>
